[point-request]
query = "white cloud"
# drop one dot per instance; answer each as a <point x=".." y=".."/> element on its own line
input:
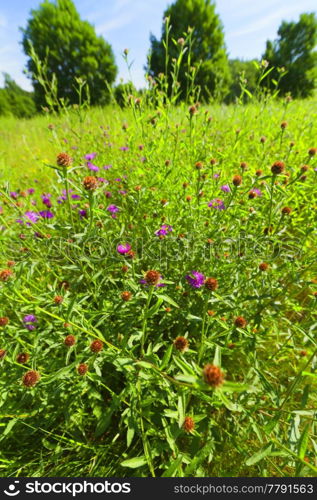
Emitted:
<point x="117" y="22"/>
<point x="264" y="22"/>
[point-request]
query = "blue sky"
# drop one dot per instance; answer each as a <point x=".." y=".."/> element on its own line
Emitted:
<point x="128" y="23"/>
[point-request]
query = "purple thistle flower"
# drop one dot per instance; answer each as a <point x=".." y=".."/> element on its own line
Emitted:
<point x="257" y="191"/>
<point x="225" y="188"/>
<point x="93" y="167"/>
<point x="29" y="217"/>
<point x="46" y="199"/>
<point x="123" y="192"/>
<point x="31" y="190"/>
<point x="28" y="321"/>
<point x="113" y="209"/>
<point x="102" y="179"/>
<point x="76" y="196"/>
<point x="164" y="230"/>
<point x="216" y="176"/>
<point x="107" y="167"/>
<point x="14" y="195"/>
<point x="195" y="279"/>
<point x="82" y="213"/>
<point x="46" y="214"/>
<point x="108" y="194"/>
<point x="123" y="248"/>
<point x="30" y="318"/>
<point x="90" y="156"/>
<point x="124" y="148"/>
<point x="217" y="203"/>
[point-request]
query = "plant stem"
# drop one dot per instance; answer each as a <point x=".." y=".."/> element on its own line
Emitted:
<point x="271" y="204"/>
<point x="144" y="322"/>
<point x="65" y="174"/>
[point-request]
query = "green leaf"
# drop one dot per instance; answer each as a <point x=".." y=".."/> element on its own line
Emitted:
<point x="184" y="366"/>
<point x="135" y="462"/>
<point x="259" y="455"/>
<point x="168" y="299"/>
<point x="228" y="404"/>
<point x="166" y="357"/>
<point x="173" y="467"/>
<point x="303" y="442"/>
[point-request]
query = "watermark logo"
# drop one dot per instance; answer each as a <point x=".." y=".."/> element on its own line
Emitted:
<point x="12" y="491"/>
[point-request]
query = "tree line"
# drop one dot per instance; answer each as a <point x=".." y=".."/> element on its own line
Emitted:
<point x="63" y="49"/>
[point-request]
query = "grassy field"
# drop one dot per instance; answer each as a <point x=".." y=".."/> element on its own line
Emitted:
<point x="158" y="296"/>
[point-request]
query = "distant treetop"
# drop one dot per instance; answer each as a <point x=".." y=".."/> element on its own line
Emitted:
<point x="71" y="49"/>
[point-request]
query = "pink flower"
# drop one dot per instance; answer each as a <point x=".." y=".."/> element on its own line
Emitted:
<point x="123" y="248"/>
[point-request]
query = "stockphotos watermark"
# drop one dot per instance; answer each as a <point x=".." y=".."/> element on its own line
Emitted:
<point x="15" y="488"/>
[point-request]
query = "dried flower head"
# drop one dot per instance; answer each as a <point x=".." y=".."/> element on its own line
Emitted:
<point x="243" y="165"/>
<point x="124" y="269"/>
<point x="304" y="168"/>
<point x="263" y="266"/>
<point x="240" y="322"/>
<point x="23" y="358"/>
<point x="258" y="173"/>
<point x="90" y="183"/>
<point x="70" y="340"/>
<point x="189" y="424"/>
<point x="192" y="110"/>
<point x="213" y="375"/>
<point x="198" y="165"/>
<point x="211" y="284"/>
<point x="286" y="210"/>
<point x="58" y="299"/>
<point x="30" y="378"/>
<point x="126" y="296"/>
<point x="5" y="274"/>
<point x="3" y="353"/>
<point x="284" y="125"/>
<point x="277" y="167"/>
<point x="4" y="321"/>
<point x="237" y="180"/>
<point x="64" y="160"/>
<point x="152" y="277"/>
<point x="96" y="346"/>
<point x="181" y="344"/>
<point x="82" y="369"/>
<point x="312" y="151"/>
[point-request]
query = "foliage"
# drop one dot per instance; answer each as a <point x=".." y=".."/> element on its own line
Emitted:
<point x="122" y="92"/>
<point x="191" y="28"/>
<point x="294" y="49"/>
<point x="242" y="72"/>
<point x="16" y="101"/>
<point x="69" y="48"/>
<point x="126" y="416"/>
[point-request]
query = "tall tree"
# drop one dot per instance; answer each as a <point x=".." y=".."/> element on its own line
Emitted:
<point x="71" y="49"/>
<point x="208" y="51"/>
<point x="16" y="101"/>
<point x="294" y="50"/>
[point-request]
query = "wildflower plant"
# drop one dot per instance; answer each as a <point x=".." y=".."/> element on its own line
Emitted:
<point x="160" y="317"/>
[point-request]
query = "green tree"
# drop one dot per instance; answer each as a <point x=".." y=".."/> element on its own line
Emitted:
<point x="294" y="50"/>
<point x="16" y="101"/>
<point x="207" y="52"/>
<point x="71" y="49"/>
